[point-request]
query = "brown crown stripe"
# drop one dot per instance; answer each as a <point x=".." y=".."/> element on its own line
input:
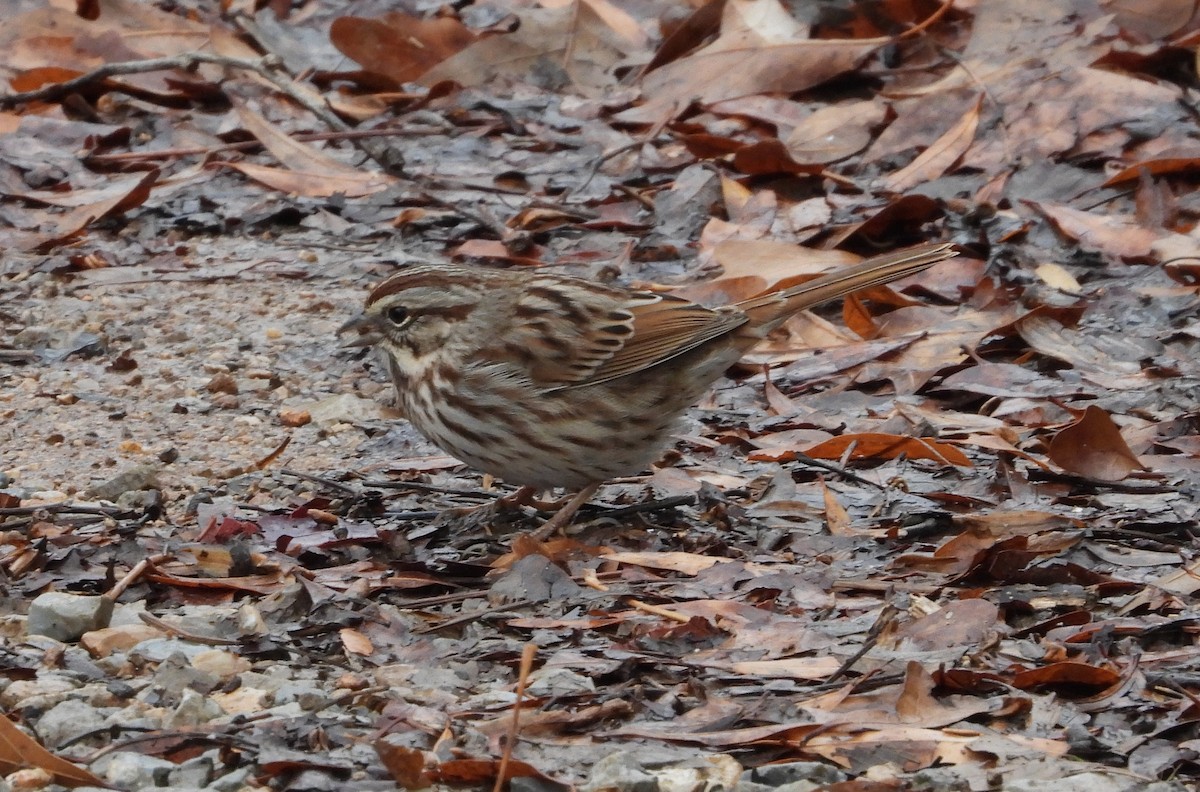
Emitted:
<point x="406" y="280"/>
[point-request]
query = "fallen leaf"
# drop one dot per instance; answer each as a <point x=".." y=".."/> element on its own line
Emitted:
<point x="1093" y="447"/>
<point x="18" y="750"/>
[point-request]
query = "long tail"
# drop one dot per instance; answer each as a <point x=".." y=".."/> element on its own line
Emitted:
<point x="767" y="310"/>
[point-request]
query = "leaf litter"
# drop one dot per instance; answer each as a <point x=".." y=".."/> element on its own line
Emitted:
<point x="942" y="539"/>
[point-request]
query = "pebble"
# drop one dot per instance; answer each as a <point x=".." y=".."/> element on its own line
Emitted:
<point x="66" y="617"/>
<point x="786" y="774"/>
<point x="137" y="477"/>
<point x="131" y="770"/>
<point x="193" y="710"/>
<point x="292" y="417"/>
<point x="106" y="641"/>
<point x="31" y="778"/>
<point x="220" y="664"/>
<point x="67" y="720"/>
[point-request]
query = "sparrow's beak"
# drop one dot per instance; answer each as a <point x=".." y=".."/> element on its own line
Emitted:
<point x="361" y="331"/>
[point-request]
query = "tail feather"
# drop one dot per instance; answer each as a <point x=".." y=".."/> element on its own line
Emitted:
<point x="768" y="310"/>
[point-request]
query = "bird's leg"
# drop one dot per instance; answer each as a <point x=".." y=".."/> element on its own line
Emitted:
<point x="501" y="513"/>
<point x="562" y="518"/>
<point x="524" y="496"/>
<point x="507" y="509"/>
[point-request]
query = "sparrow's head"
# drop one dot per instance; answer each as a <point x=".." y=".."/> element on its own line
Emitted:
<point x="422" y="310"/>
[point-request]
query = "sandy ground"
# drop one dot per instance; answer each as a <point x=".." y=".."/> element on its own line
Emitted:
<point x="195" y="373"/>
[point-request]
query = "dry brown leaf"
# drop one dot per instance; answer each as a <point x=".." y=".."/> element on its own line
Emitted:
<point x="687" y="563"/>
<point x="876" y="445"/>
<point x="1093" y="447"/>
<point x="962" y="623"/>
<point x="398" y="46"/>
<point x="1069" y="675"/>
<point x="1056" y="276"/>
<point x="811" y="668"/>
<point x="120" y="195"/>
<point x="405" y="765"/>
<point x="313" y="185"/>
<point x="495" y="249"/>
<point x="573" y="41"/>
<point x="19" y="750"/>
<point x="293" y="154"/>
<point x="837" y="519"/>
<point x="1119" y="236"/>
<point x="1154" y="19"/>
<point x="835" y="132"/>
<point x="1167" y="163"/>
<point x="355" y="642"/>
<point x="939" y="158"/>
<point x="760" y="51"/>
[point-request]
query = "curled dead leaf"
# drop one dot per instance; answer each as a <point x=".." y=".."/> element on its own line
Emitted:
<point x="1093" y="447"/>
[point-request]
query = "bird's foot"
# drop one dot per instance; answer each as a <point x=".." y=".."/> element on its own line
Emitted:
<point x="565" y="514"/>
<point x="504" y="514"/>
<point x="500" y="516"/>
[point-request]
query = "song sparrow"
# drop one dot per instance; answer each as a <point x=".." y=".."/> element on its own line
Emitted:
<point x="545" y="380"/>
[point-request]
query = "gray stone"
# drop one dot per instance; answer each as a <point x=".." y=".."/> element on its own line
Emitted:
<point x="195" y="772"/>
<point x="310" y="697"/>
<point x="67" y="720"/>
<point x="531" y="784"/>
<point x="65" y="617"/>
<point x="620" y="771"/>
<point x="130" y="770"/>
<point x="159" y="649"/>
<point x="135" y="478"/>
<point x="193" y="709"/>
<point x="778" y="775"/>
<point x="745" y="785"/>
<point x="232" y="782"/>
<point x="1099" y="781"/>
<point x="558" y="682"/>
<point x="50" y="688"/>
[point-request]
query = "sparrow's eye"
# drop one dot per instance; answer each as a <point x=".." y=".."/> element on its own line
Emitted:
<point x="397" y="315"/>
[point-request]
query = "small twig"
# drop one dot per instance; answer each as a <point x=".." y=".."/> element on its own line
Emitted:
<point x="411" y="516"/>
<point x="646" y="607"/>
<point x="184" y="62"/>
<point x="384" y="155"/>
<point x="67" y="508"/>
<point x="271" y="457"/>
<point x="886" y="617"/>
<point x="1098" y="485"/>
<point x="179" y="632"/>
<point x="884" y="587"/>
<point x="241" y="145"/>
<point x="441" y="599"/>
<point x="225" y="738"/>
<point x="418" y="487"/>
<point x="325" y="482"/>
<point x="133" y="574"/>
<point x="470" y="617"/>
<point x="658" y="504"/>
<point x="841" y="471"/>
<point x="481" y="218"/>
<point x="270" y="68"/>
<point x="514" y="725"/>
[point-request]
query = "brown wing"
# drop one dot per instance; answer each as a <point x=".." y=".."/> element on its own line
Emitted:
<point x="568" y="336"/>
<point x="663" y="327"/>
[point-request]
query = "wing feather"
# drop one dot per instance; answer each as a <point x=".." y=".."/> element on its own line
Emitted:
<point x="663" y="329"/>
<point x="572" y="337"/>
